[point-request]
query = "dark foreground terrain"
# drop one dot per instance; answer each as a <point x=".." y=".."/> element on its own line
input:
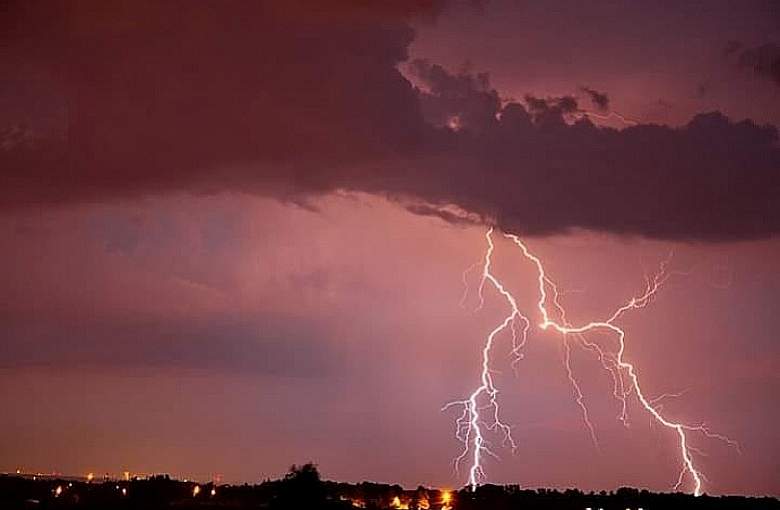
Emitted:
<point x="302" y="489"/>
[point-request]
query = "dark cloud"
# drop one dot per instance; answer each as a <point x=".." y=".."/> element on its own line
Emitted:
<point x="265" y="345"/>
<point x="732" y="47"/>
<point x="160" y="96"/>
<point x="551" y="110"/>
<point x="764" y="60"/>
<point x="293" y="100"/>
<point x="599" y="99"/>
<point x="452" y="215"/>
<point x="461" y="101"/>
<point x="711" y="179"/>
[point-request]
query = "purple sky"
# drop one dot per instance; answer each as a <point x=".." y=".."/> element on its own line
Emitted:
<point x="233" y="238"/>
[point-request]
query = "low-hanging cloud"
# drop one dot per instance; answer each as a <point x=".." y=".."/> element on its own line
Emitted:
<point x="763" y="60"/>
<point x="599" y="99"/>
<point x="292" y="100"/>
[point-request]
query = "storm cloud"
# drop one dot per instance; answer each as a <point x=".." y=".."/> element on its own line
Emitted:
<point x="293" y="101"/>
<point x="599" y="99"/>
<point x="764" y="60"/>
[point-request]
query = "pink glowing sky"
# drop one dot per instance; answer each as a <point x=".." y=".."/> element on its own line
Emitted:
<point x="196" y="326"/>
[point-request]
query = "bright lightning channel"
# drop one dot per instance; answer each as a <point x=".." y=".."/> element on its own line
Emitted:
<point x="481" y="411"/>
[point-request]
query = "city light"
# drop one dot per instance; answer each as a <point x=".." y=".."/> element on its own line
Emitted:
<point x="398" y="504"/>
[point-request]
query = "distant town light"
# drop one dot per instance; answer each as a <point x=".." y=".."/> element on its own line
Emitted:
<point x="398" y="505"/>
<point x="124" y="491"/>
<point x="195" y="491"/>
<point x="213" y="492"/>
<point x="90" y="476"/>
<point x="58" y="490"/>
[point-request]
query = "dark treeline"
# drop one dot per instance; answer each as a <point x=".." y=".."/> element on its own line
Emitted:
<point x="302" y="488"/>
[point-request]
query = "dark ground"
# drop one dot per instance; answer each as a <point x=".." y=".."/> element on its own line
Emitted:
<point x="303" y="489"/>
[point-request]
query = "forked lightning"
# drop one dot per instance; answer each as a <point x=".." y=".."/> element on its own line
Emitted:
<point x="481" y="410"/>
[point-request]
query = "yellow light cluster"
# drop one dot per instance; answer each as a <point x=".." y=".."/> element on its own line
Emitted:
<point x="398" y="504"/>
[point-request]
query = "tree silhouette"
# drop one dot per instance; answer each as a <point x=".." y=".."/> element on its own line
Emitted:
<point x="301" y="488"/>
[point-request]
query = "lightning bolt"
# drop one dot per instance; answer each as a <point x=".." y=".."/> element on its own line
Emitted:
<point x="481" y="411"/>
<point x="469" y="426"/>
<point x="622" y="118"/>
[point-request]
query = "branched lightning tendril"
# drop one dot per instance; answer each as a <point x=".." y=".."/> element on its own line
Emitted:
<point x="607" y="116"/>
<point x="481" y="410"/>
